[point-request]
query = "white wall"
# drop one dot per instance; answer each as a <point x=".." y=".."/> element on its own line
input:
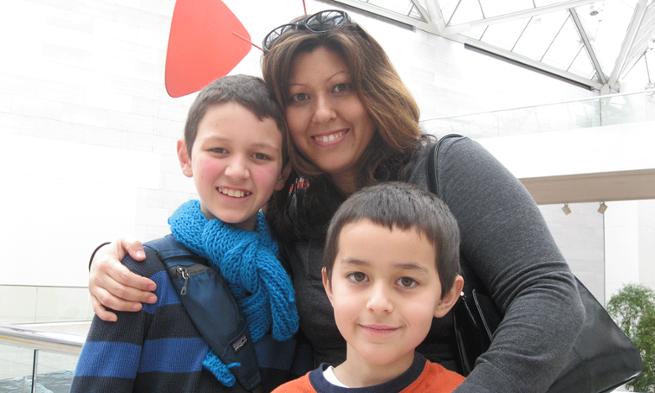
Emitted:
<point x="581" y="239"/>
<point x="583" y="150"/>
<point x="621" y="245"/>
<point x="646" y="213"/>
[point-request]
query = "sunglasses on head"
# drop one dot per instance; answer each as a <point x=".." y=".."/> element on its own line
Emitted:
<point x="320" y="22"/>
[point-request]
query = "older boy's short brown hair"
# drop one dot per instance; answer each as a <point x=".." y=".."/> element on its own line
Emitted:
<point x="245" y="90"/>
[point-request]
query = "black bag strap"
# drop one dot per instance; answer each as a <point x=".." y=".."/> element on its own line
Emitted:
<point x="433" y="161"/>
<point x="211" y="307"/>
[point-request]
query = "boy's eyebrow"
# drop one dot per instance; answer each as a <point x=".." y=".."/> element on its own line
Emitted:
<point x="267" y="145"/>
<point x="257" y="144"/>
<point x="410" y="266"/>
<point x="399" y="265"/>
<point x="355" y="261"/>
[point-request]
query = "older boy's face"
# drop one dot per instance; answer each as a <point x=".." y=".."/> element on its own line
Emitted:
<point x="385" y="290"/>
<point x="236" y="163"/>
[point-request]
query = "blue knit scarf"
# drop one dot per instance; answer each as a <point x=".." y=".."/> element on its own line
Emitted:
<point x="248" y="262"/>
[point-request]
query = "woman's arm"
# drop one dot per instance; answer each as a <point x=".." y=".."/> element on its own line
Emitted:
<point x="112" y="285"/>
<point x="506" y="243"/>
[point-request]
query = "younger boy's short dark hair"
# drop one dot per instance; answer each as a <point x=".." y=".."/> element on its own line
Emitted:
<point x="245" y="90"/>
<point x="402" y="206"/>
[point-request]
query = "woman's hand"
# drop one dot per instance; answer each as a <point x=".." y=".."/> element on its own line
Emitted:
<point x="112" y="285"/>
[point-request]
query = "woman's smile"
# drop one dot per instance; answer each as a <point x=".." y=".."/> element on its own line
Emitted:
<point x="330" y="138"/>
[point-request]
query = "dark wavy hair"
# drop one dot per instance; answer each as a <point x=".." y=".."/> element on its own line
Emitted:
<point x="391" y="107"/>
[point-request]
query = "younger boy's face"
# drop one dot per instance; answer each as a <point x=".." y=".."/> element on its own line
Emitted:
<point x="385" y="290"/>
<point x="236" y="163"/>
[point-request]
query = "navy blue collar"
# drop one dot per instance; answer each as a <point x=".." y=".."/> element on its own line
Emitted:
<point x="397" y="384"/>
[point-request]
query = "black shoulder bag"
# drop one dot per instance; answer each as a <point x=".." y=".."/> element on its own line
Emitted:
<point x="602" y="357"/>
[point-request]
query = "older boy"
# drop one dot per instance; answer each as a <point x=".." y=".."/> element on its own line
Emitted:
<point x="233" y="147"/>
<point x="390" y="266"/>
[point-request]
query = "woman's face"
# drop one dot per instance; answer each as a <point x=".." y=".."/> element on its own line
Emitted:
<point x="327" y="120"/>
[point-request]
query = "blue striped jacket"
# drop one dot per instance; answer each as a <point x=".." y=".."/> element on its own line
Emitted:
<point x="159" y="349"/>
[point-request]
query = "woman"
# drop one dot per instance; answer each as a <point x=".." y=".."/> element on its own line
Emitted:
<point x="353" y="123"/>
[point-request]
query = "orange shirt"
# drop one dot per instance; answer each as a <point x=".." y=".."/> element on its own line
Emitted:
<point x="434" y="378"/>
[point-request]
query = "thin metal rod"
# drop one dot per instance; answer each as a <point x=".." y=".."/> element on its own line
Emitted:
<point x="35" y="366"/>
<point x="575" y="57"/>
<point x="454" y="11"/>
<point x="35" y="339"/>
<point x="521" y="34"/>
<point x="482" y="10"/>
<point x="647" y="70"/>
<point x="555" y="37"/>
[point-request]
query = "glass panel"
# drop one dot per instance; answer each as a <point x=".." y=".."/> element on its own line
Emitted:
<point x="414" y="13"/>
<point x="540" y="32"/>
<point x="478" y="32"/>
<point x="448" y="7"/>
<point x="541" y="3"/>
<point x="565" y="47"/>
<point x="505" y="34"/>
<point x="401" y="7"/>
<point x="637" y="75"/>
<point x="582" y="65"/>
<point x="15" y="369"/>
<point x="496" y="7"/>
<point x="601" y="111"/>
<point x="54" y="370"/>
<point x="467" y="11"/>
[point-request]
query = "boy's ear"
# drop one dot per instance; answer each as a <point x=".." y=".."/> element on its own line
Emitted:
<point x="183" y="157"/>
<point x="326" y="284"/>
<point x="284" y="174"/>
<point x="449" y="299"/>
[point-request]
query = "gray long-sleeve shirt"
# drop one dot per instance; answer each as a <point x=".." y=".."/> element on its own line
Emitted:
<point x="506" y="243"/>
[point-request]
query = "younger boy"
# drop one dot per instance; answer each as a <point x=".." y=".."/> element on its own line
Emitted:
<point x="390" y="265"/>
<point x="233" y="147"/>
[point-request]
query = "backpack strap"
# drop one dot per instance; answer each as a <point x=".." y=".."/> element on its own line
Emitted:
<point x="212" y="308"/>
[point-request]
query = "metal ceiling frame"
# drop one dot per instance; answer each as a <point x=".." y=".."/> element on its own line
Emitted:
<point x="407" y="20"/>
<point x="424" y="13"/>
<point x="518" y="59"/>
<point x="628" y="42"/>
<point x="587" y="44"/>
<point x="521" y="60"/>
<point x="640" y="45"/>
<point x="434" y="23"/>
<point x="436" y="16"/>
<point x="457" y="28"/>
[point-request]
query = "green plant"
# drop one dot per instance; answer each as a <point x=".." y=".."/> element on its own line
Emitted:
<point x="633" y="309"/>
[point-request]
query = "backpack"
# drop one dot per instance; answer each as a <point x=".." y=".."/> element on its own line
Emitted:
<point x="212" y="308"/>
